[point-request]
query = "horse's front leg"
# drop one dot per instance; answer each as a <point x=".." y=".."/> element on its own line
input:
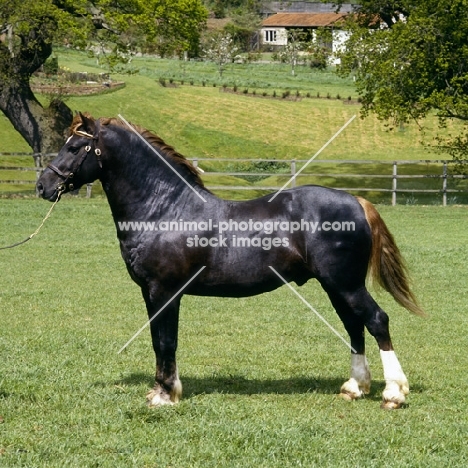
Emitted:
<point x="167" y="388"/>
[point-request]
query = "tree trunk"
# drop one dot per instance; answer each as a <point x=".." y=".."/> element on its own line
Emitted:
<point x="42" y="128"/>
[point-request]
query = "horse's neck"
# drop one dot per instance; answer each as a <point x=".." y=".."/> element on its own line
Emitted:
<point x="153" y="194"/>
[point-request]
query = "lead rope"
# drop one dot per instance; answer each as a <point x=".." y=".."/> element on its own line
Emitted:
<point x="40" y="226"/>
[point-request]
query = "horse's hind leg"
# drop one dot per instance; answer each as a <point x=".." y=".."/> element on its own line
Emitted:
<point x="360" y="378"/>
<point x="167" y="388"/>
<point x="367" y="311"/>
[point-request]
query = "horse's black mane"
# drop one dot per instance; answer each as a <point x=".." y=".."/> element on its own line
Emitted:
<point x="153" y="139"/>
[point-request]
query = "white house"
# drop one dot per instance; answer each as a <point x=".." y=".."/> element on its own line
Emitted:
<point x="274" y="31"/>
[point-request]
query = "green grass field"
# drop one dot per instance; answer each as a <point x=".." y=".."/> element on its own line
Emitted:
<point x="204" y="122"/>
<point x="260" y="374"/>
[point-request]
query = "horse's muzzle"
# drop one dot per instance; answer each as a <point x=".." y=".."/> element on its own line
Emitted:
<point x="40" y="189"/>
<point x="51" y="194"/>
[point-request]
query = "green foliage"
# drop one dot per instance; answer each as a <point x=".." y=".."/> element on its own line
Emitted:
<point x="51" y="66"/>
<point x="302" y="48"/>
<point x="240" y="35"/>
<point x="156" y="26"/>
<point x="178" y="27"/>
<point x="223" y="8"/>
<point x="31" y="28"/>
<point x="243" y="26"/>
<point x="291" y="52"/>
<point x="218" y="9"/>
<point x="457" y="147"/>
<point x="416" y="65"/>
<point x="253" y="169"/>
<point x="123" y="28"/>
<point x="113" y="31"/>
<point x="319" y="49"/>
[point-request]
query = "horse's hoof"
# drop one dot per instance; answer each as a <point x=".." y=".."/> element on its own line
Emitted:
<point x="391" y="405"/>
<point x="347" y="396"/>
<point x="351" y="390"/>
<point x="154" y="399"/>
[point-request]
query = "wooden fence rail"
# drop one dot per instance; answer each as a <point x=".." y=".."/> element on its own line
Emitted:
<point x="435" y="179"/>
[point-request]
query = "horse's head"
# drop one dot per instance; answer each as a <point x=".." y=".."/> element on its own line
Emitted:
<point x="77" y="163"/>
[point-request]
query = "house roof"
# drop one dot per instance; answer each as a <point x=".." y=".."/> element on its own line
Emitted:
<point x="302" y="20"/>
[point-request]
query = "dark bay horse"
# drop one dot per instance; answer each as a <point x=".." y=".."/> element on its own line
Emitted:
<point x="174" y="232"/>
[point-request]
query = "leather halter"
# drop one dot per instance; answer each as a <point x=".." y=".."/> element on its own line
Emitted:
<point x="67" y="182"/>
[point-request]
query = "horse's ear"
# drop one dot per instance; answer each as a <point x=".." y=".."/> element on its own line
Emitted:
<point x="87" y="124"/>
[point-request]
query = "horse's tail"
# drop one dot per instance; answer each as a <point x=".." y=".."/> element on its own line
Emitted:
<point x="386" y="264"/>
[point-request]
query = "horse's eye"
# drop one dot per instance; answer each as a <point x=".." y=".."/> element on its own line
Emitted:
<point x="73" y="149"/>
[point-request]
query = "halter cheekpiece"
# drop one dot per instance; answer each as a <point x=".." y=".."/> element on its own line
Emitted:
<point x="67" y="182"/>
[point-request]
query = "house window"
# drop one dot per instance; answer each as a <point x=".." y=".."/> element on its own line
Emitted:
<point x="270" y="35"/>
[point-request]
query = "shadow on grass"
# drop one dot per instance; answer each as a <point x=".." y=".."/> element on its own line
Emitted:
<point x="238" y="385"/>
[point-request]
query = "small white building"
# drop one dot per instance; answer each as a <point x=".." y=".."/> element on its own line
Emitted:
<point x="275" y="28"/>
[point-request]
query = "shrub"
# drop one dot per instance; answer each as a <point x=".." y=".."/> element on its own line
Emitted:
<point x="252" y="57"/>
<point x="50" y="66"/>
<point x="266" y="167"/>
<point x="319" y="63"/>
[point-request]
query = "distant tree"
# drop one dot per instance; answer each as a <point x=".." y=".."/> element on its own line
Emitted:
<point x="30" y="29"/>
<point x="409" y="59"/>
<point x="319" y="49"/>
<point x="220" y="49"/>
<point x="242" y="28"/>
<point x="230" y="8"/>
<point x="293" y="51"/>
<point x="218" y="8"/>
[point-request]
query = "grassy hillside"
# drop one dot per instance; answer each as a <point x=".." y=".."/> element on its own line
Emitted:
<point x="205" y="122"/>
